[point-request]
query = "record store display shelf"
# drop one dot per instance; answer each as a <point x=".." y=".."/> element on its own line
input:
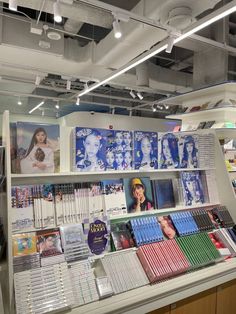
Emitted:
<point x="150" y="297"/>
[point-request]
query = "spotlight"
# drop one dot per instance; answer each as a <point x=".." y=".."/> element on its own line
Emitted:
<point x="154" y="109"/>
<point x="113" y="111"/>
<point x="68" y="84"/>
<point x="13" y="5"/>
<point x="117" y="29"/>
<point x="167" y="106"/>
<point x="140" y="96"/>
<point x="132" y="94"/>
<point x="42" y="113"/>
<point x="19" y="102"/>
<point x="57" y="105"/>
<point x="170" y="44"/>
<point x="130" y="112"/>
<point x="57" y="12"/>
<point x="77" y="101"/>
<point x="37" y="80"/>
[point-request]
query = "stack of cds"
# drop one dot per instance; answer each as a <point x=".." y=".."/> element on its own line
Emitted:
<point x="199" y="249"/>
<point x="202" y="219"/>
<point x="26" y="262"/>
<point x="83" y="283"/>
<point x="145" y="230"/>
<point x="206" y="148"/>
<point x="184" y="223"/>
<point x="43" y="290"/>
<point x="73" y="242"/>
<point x="162" y="260"/>
<point x="224" y="217"/>
<point x="124" y="270"/>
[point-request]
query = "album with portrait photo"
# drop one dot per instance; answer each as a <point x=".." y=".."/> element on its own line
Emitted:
<point x="89" y="149"/>
<point x="138" y="194"/>
<point x="192" y="188"/>
<point x="145" y="150"/>
<point x="168" y="151"/>
<point x="188" y="151"/>
<point x="38" y="148"/>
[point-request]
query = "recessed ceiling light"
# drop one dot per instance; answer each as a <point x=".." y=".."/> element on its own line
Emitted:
<point x="53" y="35"/>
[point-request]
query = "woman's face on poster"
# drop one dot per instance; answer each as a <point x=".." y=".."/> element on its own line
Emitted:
<point x="127" y="138"/>
<point x="190" y="186"/>
<point x="128" y="158"/>
<point x="189" y="148"/>
<point x="110" y="158"/>
<point x="92" y="145"/>
<point x="146" y="147"/>
<point x="119" y="138"/>
<point x="166" y="149"/>
<point x="40" y="137"/>
<point x="119" y="159"/>
<point x="138" y="191"/>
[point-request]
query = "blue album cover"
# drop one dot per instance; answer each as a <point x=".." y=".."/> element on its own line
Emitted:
<point x="164" y="193"/>
<point x="192" y="188"/>
<point x="145" y="150"/>
<point x="119" y="153"/>
<point x="138" y="194"/>
<point x="168" y="151"/>
<point x="188" y="151"/>
<point x="91" y="149"/>
<point x="38" y="147"/>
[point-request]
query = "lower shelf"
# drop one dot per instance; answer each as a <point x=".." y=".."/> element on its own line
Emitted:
<point x="148" y="298"/>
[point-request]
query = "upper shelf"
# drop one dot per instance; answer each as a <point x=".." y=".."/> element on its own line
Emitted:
<point x="228" y="112"/>
<point x="203" y="95"/>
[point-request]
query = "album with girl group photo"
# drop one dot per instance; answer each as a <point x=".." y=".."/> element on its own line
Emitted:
<point x="105" y="150"/>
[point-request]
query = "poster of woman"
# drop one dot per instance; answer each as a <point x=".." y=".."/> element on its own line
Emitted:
<point x="38" y="148"/>
<point x="188" y="151"/>
<point x="90" y="149"/>
<point x="145" y="150"/>
<point x="168" y="151"/>
<point x="192" y="188"/>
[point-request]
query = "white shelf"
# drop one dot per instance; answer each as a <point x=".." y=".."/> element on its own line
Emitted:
<point x="203" y="95"/>
<point x="161" y="211"/>
<point x="15" y="176"/>
<point x="148" y="298"/>
<point x="203" y="113"/>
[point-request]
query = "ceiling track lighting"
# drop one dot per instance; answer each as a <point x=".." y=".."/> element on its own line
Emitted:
<point x="36" y="107"/>
<point x="57" y="105"/>
<point x="170" y="43"/>
<point x="194" y="28"/>
<point x="77" y="101"/>
<point x="43" y="113"/>
<point x="19" y="102"/>
<point x="57" y="12"/>
<point x="132" y="94"/>
<point x="68" y="84"/>
<point x="113" y="110"/>
<point x="37" y="80"/>
<point x="154" y="109"/>
<point x="117" y="29"/>
<point x="13" y="5"/>
<point x="140" y="96"/>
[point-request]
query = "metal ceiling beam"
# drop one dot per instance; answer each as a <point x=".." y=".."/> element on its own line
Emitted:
<point x="17" y="94"/>
<point x="77" y="11"/>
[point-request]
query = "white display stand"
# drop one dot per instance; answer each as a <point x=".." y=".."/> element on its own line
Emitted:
<point x="149" y="297"/>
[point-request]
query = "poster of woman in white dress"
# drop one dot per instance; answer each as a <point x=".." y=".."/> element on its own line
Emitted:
<point x="38" y="149"/>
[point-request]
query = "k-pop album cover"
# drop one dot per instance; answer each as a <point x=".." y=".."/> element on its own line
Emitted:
<point x="188" y="151"/>
<point x="145" y="150"/>
<point x="38" y="148"/>
<point x="168" y="151"/>
<point x="192" y="187"/>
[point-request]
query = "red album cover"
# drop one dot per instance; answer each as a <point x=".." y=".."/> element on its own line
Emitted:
<point x="49" y="242"/>
<point x="146" y="265"/>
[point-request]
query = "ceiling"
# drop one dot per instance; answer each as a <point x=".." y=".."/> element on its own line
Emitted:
<point x="86" y="51"/>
